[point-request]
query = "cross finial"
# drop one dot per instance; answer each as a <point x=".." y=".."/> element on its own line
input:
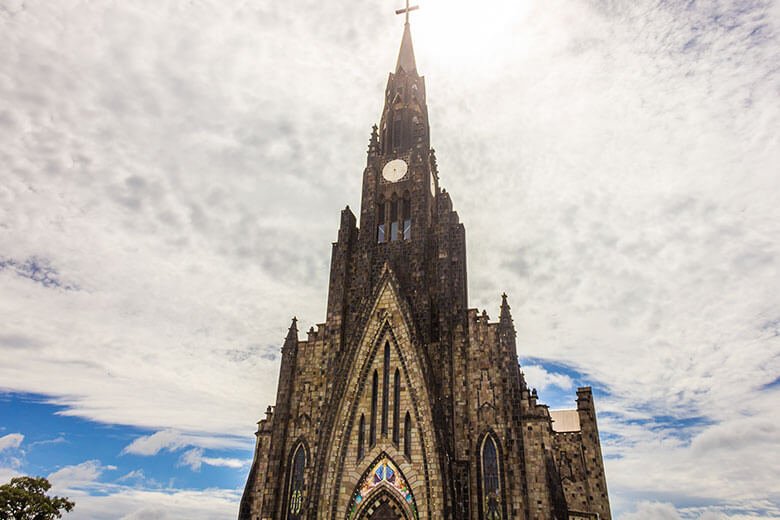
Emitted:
<point x="407" y="10"/>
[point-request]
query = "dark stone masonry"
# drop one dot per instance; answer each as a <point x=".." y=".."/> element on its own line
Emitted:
<point x="405" y="403"/>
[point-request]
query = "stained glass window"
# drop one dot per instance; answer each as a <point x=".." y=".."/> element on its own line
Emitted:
<point x="372" y="426"/>
<point x="382" y="474"/>
<point x="385" y="387"/>
<point x="295" y="490"/>
<point x="396" y="405"/>
<point x="491" y="481"/>
<point x="408" y="435"/>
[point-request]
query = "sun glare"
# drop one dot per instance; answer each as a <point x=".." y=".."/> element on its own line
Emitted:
<point x="464" y="30"/>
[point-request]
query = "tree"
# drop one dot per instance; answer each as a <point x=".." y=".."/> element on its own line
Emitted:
<point x="24" y="498"/>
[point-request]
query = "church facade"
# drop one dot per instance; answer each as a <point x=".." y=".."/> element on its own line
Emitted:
<point x="405" y="403"/>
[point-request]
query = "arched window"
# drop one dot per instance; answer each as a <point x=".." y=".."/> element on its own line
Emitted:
<point x="408" y="436"/>
<point x="296" y="488"/>
<point x="396" y="406"/>
<point x="385" y="388"/>
<point x="397" y="130"/>
<point x="372" y="426"/>
<point x="491" y="480"/>
<point x="406" y="212"/>
<point x="394" y="220"/>
<point x="361" y="451"/>
<point x="381" y="236"/>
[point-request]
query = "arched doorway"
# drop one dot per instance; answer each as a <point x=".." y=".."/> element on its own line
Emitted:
<point x="383" y="506"/>
<point x="382" y="494"/>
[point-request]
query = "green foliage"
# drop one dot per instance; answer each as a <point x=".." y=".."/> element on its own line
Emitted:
<point x="24" y="498"/>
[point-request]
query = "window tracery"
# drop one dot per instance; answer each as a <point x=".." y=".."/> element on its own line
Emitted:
<point x="295" y="490"/>
<point x="491" y="480"/>
<point x="382" y="474"/>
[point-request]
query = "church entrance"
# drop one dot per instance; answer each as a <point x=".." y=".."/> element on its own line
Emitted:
<point x="386" y="512"/>
<point x="384" y="507"/>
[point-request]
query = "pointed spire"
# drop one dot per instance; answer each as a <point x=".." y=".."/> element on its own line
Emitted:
<point x="373" y="143"/>
<point x="406" y="60"/>
<point x="291" y="341"/>
<point x="505" y="317"/>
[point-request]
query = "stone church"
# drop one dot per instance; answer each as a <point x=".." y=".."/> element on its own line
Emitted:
<point x="406" y="403"/>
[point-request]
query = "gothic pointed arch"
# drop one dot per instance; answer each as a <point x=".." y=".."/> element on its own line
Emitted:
<point x="294" y="504"/>
<point x="382" y="483"/>
<point x="386" y="320"/>
<point x="490" y="477"/>
<point x="384" y="506"/>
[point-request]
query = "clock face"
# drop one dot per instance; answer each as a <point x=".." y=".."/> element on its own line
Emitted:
<point x="394" y="170"/>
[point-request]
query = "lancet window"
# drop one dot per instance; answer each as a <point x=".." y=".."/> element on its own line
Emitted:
<point x="408" y="436"/>
<point x="397" y="225"/>
<point x="396" y="405"/>
<point x="296" y="488"/>
<point x="491" y="480"/>
<point x="381" y="230"/>
<point x="372" y="426"/>
<point x="361" y="451"/>
<point x="397" y="131"/>
<point x="394" y="220"/>
<point x="406" y="210"/>
<point x="385" y="388"/>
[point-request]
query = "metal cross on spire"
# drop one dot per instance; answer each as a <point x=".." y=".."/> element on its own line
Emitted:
<point x="407" y="10"/>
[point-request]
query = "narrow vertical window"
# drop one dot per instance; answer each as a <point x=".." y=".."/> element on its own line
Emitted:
<point x="296" y="486"/>
<point x="372" y="426"/>
<point x="361" y="451"/>
<point x="380" y="219"/>
<point x="408" y="436"/>
<point x="407" y="217"/>
<point x="394" y="220"/>
<point x="385" y="388"/>
<point x="397" y="132"/>
<point x="396" y="406"/>
<point x="491" y="481"/>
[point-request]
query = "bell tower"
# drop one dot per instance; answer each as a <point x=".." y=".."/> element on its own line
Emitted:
<point x="400" y="195"/>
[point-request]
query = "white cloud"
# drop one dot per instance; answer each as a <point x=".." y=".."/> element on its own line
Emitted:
<point x="173" y="440"/>
<point x="6" y="474"/>
<point x="137" y="504"/>
<point x="77" y="476"/>
<point x="194" y="459"/>
<point x="11" y="441"/>
<point x="97" y="500"/>
<point x="631" y="148"/>
<point x="135" y="475"/>
<point x="653" y="511"/>
<point x="538" y="377"/>
<point x="57" y="440"/>
<point x="152" y="444"/>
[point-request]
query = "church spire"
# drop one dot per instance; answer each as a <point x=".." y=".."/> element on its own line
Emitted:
<point x="406" y="53"/>
<point x="406" y="60"/>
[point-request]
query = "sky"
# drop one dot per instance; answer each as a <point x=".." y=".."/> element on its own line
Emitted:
<point x="171" y="176"/>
